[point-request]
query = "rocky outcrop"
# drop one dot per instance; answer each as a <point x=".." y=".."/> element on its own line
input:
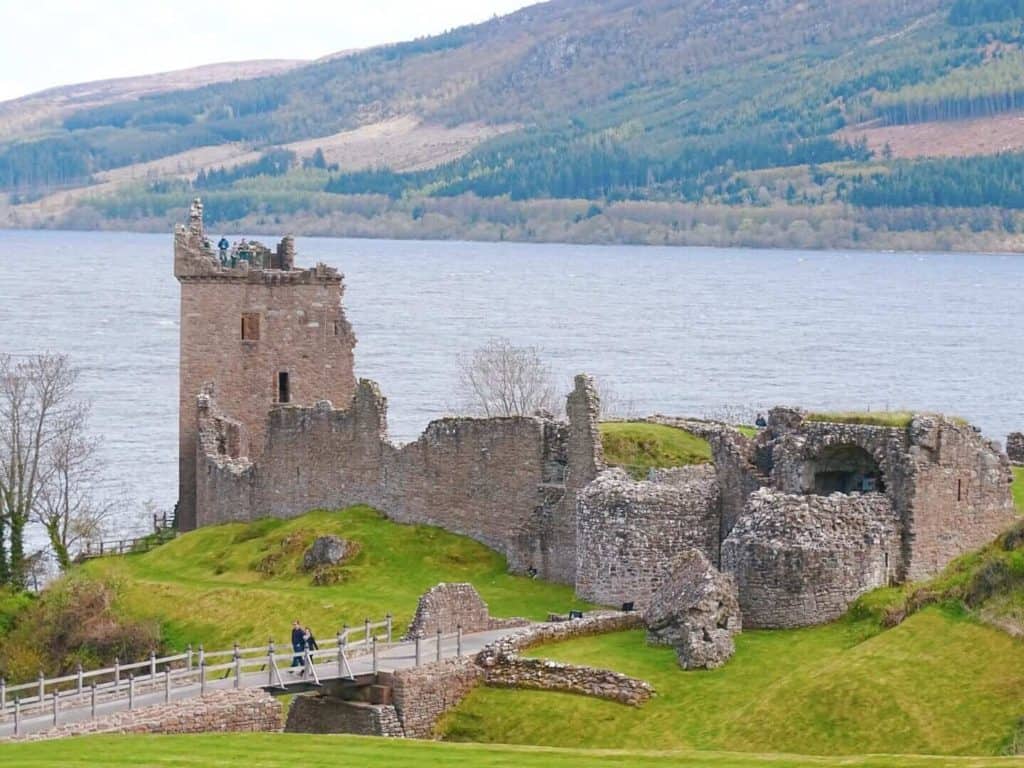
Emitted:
<point x="325" y="552"/>
<point x="697" y="612"/>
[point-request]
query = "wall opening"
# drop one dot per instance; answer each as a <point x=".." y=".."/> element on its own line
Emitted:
<point x="250" y="326"/>
<point x="284" y="394"/>
<point x="846" y="469"/>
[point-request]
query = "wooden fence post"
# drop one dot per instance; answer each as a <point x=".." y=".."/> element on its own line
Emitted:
<point x="152" y="666"/>
<point x="238" y="668"/>
<point x="81" y="680"/>
<point x="92" y="700"/>
<point x="42" y="687"/>
<point x="374" y="644"/>
<point x="417" y="650"/>
<point x="458" y="641"/>
<point x="17" y="716"/>
<point x="438" y="644"/>
<point x="270" y="662"/>
<point x="388" y="620"/>
<point x="366" y="630"/>
<point x="202" y="677"/>
<point x="117" y="674"/>
<point x="131" y="691"/>
<point x="188" y="657"/>
<point x="56" y="708"/>
<point x="167" y="686"/>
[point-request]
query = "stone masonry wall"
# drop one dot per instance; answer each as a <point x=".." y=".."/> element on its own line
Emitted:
<point x="628" y="533"/>
<point x="507" y="482"/>
<point x="545" y="675"/>
<point x="422" y="695"/>
<point x="241" y="711"/>
<point x="323" y="714"/>
<point x="1015" y="447"/>
<point x="800" y="560"/>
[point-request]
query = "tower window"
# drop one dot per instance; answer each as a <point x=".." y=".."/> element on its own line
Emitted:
<point x="250" y="326"/>
<point x="283" y="388"/>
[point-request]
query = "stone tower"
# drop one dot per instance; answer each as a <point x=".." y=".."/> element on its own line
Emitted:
<point x="257" y="332"/>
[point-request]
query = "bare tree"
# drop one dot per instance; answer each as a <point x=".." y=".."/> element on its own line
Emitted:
<point x="501" y="379"/>
<point x="38" y="414"/>
<point x="67" y="508"/>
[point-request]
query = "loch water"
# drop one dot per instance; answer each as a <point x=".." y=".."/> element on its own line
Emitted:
<point x="691" y="331"/>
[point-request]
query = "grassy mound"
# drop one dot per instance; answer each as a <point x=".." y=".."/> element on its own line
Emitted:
<point x="639" y="446"/>
<point x="288" y="750"/>
<point x="899" y="419"/>
<point x="938" y="683"/>
<point x="244" y="582"/>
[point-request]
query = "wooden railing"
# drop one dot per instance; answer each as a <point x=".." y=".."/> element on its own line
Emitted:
<point x="196" y="668"/>
<point x="162" y="533"/>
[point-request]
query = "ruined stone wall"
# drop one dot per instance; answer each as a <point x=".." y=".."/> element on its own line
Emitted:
<point x="302" y="331"/>
<point x="422" y="695"/>
<point x="738" y="475"/>
<point x="799" y="560"/>
<point x="628" y="533"/>
<point x="961" y="497"/>
<point x="507" y="482"/>
<point x="545" y="675"/>
<point x="450" y="607"/>
<point x="1015" y="447"/>
<point x="323" y="714"/>
<point x="241" y="711"/>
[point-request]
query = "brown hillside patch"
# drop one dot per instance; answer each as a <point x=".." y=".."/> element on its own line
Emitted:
<point x="958" y="138"/>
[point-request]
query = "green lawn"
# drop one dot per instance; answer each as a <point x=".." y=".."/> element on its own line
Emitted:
<point x="639" y="446"/>
<point x="1018" y="488"/>
<point x="207" y="586"/>
<point x="292" y="750"/>
<point x="899" y="419"/>
<point x="938" y="683"/>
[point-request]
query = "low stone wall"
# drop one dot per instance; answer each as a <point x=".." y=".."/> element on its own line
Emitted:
<point x="596" y="623"/>
<point x="323" y="714"/>
<point x="447" y="607"/>
<point x="422" y="694"/>
<point x="545" y="675"/>
<point x="1015" y="447"/>
<point x="241" y="711"/>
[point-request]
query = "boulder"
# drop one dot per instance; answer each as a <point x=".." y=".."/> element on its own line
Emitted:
<point x="696" y="610"/>
<point x="325" y="551"/>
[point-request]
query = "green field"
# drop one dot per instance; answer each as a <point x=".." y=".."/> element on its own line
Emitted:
<point x="291" y="750"/>
<point x="938" y="683"/>
<point x="1018" y="487"/>
<point x="211" y="585"/>
<point x="639" y="446"/>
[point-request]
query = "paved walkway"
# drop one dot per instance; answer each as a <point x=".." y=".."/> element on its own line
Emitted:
<point x="395" y="657"/>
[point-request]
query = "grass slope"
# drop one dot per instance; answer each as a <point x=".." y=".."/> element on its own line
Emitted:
<point x="1018" y="487"/>
<point x="938" y="683"/>
<point x="899" y="419"/>
<point x="289" y="750"/>
<point x="639" y="446"/>
<point x="206" y="587"/>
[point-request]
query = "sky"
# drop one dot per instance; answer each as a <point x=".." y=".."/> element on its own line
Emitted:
<point x="44" y="43"/>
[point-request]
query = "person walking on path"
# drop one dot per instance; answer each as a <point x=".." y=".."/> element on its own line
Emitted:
<point x="298" y="643"/>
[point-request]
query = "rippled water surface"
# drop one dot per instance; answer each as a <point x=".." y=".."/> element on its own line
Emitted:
<point x="682" y="331"/>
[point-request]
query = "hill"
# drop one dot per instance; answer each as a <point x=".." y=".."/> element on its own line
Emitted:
<point x="781" y="123"/>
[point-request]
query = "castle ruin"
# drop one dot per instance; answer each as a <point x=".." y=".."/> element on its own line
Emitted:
<point x="803" y="518"/>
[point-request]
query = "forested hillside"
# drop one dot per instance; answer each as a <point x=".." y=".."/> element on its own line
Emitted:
<point x="653" y="120"/>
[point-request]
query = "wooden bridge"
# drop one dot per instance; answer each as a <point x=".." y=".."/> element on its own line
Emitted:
<point x="355" y="655"/>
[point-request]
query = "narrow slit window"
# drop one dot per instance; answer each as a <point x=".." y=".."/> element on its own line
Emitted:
<point x="959" y="490"/>
<point x="283" y="388"/>
<point x="250" y="326"/>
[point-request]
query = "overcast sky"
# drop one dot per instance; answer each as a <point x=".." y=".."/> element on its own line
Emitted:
<point x="57" y="42"/>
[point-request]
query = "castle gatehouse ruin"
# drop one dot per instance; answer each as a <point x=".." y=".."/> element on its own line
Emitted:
<point x="802" y="518"/>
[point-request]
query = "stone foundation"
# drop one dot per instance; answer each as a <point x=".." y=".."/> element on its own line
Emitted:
<point x="323" y="714"/>
<point x="423" y="694"/>
<point x="448" y="607"/>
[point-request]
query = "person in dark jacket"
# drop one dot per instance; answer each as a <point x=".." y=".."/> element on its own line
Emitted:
<point x="298" y="643"/>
